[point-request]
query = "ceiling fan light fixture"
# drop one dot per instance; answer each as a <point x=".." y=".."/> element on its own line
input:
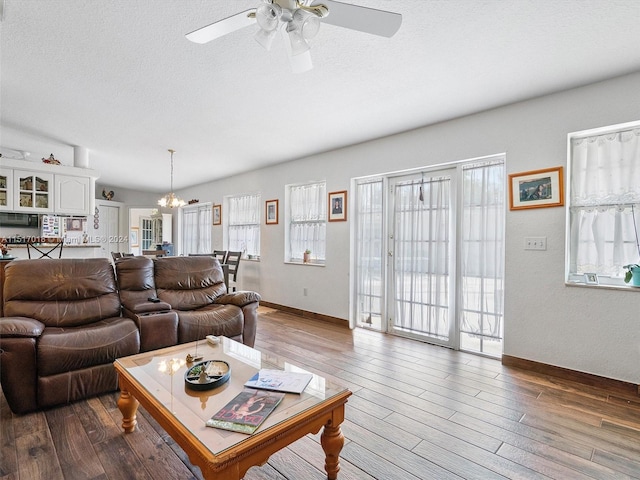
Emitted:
<point x="307" y="23"/>
<point x="298" y="44"/>
<point x="268" y="15"/>
<point x="265" y="38"/>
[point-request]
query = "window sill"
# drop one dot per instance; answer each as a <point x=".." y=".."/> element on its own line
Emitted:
<point x="628" y="288"/>
<point x="308" y="264"/>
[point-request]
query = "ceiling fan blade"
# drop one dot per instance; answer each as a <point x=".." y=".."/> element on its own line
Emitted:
<point x="363" y="19"/>
<point x="223" y="27"/>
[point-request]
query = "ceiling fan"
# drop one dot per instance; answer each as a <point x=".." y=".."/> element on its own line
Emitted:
<point x="299" y="21"/>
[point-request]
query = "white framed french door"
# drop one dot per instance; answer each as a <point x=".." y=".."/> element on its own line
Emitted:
<point x="421" y="249"/>
<point x="427" y="251"/>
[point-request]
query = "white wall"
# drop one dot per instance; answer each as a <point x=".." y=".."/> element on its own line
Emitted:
<point x="591" y="330"/>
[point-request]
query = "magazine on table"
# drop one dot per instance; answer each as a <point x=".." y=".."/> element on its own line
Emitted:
<point x="280" y="381"/>
<point x="246" y="412"/>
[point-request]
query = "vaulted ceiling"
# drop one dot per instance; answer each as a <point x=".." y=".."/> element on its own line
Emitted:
<point x="119" y="78"/>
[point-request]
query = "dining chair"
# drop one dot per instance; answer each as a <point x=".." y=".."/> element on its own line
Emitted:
<point x="45" y="251"/>
<point x="116" y="255"/>
<point x="221" y="255"/>
<point x="233" y="261"/>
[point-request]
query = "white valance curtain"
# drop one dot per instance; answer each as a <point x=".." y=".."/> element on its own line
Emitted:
<point x="604" y="199"/>
<point x="307" y="220"/>
<point x="244" y="224"/>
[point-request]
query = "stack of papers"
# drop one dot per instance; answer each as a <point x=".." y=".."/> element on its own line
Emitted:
<point x="280" y="381"/>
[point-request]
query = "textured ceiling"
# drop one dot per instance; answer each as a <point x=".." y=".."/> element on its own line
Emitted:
<point x="119" y="78"/>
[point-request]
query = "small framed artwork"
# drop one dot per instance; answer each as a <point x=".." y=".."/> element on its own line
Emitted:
<point x="536" y="189"/>
<point x="271" y="212"/>
<point x="591" y="279"/>
<point x="135" y="242"/>
<point x="338" y="206"/>
<point x="217" y="214"/>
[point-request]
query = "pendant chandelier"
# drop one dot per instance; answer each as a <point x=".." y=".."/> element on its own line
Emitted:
<point x="170" y="200"/>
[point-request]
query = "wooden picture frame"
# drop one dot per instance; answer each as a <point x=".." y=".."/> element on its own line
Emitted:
<point x="216" y="211"/>
<point x="536" y="189"/>
<point x="271" y="212"/>
<point x="134" y="238"/>
<point x="338" y="206"/>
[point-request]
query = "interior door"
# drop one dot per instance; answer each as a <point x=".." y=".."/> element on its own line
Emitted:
<point x="422" y="256"/>
<point x="107" y="221"/>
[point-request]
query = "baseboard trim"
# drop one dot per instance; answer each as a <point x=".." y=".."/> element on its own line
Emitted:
<point x="306" y="314"/>
<point x="572" y="375"/>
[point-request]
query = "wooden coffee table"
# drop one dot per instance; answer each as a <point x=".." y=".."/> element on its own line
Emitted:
<point x="156" y="380"/>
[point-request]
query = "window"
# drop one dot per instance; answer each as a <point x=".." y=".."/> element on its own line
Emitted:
<point x="196" y="228"/>
<point x="307" y="222"/>
<point x="243" y="230"/>
<point x="604" y="204"/>
<point x="147" y="233"/>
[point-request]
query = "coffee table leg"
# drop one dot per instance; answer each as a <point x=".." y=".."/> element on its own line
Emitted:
<point x="332" y="441"/>
<point x="128" y="406"/>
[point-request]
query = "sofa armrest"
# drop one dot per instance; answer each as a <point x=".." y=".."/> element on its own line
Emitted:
<point x="20" y="327"/>
<point x="18" y="375"/>
<point x="146" y="307"/>
<point x="157" y="329"/>
<point x="239" y="299"/>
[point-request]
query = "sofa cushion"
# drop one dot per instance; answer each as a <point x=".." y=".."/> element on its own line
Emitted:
<point x="188" y="283"/>
<point x="65" y="349"/>
<point x="134" y="276"/>
<point x="226" y="320"/>
<point x="61" y="292"/>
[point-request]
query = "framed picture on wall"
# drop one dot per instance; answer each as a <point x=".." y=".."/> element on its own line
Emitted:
<point x="217" y="214"/>
<point x="133" y="237"/>
<point x="536" y="189"/>
<point x="271" y="212"/>
<point x="338" y="206"/>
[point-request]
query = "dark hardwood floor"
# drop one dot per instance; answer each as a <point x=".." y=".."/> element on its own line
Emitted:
<point x="417" y="412"/>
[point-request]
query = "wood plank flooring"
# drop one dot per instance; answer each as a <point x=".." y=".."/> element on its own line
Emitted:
<point x="417" y="412"/>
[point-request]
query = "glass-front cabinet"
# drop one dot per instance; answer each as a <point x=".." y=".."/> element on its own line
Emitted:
<point x="6" y="189"/>
<point x="34" y="191"/>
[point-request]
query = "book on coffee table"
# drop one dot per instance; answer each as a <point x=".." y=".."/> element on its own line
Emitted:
<point x="280" y="381"/>
<point x="246" y="412"/>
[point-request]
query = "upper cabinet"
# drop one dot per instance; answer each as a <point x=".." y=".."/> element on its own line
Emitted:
<point x="41" y="188"/>
<point x="72" y="195"/>
<point x="33" y="191"/>
<point x="6" y="189"/>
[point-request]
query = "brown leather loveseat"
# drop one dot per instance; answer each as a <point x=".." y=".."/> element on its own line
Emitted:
<point x="66" y="320"/>
<point x="193" y="289"/>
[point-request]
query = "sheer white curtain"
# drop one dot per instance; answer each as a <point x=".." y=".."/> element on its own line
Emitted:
<point x="369" y="253"/>
<point x="604" y="199"/>
<point x="196" y="229"/>
<point x="307" y="221"/>
<point x="482" y="256"/>
<point x="422" y="216"/>
<point x="244" y="224"/>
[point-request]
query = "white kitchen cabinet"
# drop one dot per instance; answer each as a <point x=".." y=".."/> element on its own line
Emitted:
<point x="72" y="195"/>
<point x="33" y="191"/>
<point x="6" y="189"/>
<point x="31" y="187"/>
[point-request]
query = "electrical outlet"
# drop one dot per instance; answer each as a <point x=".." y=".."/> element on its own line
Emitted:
<point x="535" y="243"/>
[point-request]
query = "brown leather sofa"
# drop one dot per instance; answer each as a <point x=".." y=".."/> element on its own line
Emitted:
<point x="193" y="289"/>
<point x="66" y="320"/>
